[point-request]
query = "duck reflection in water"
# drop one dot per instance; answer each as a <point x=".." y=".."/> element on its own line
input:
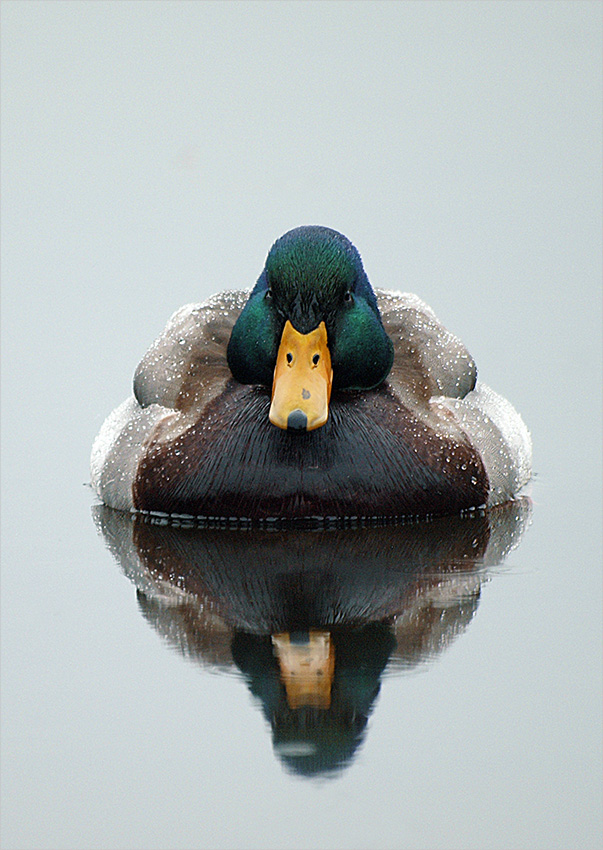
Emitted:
<point x="313" y="617"/>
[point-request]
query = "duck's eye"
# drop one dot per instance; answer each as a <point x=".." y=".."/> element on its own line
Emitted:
<point x="347" y="296"/>
<point x="289" y="357"/>
<point x="268" y="295"/>
<point x="315" y="359"/>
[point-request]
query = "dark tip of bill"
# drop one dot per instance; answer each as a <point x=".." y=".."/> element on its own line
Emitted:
<point x="297" y="420"/>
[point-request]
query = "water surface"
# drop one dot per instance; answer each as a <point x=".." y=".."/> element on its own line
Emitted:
<point x="151" y="154"/>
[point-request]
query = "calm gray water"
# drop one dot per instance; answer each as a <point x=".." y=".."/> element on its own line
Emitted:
<point x="151" y="153"/>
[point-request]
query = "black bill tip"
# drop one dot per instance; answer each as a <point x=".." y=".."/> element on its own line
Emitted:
<point x="297" y="421"/>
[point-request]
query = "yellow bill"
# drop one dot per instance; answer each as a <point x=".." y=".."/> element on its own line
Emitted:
<point x="301" y="388"/>
<point x="307" y="669"/>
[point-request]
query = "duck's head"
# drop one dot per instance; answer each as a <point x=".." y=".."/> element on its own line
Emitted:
<point x="311" y="322"/>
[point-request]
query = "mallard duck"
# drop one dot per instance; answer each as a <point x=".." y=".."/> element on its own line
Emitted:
<point x="312" y="395"/>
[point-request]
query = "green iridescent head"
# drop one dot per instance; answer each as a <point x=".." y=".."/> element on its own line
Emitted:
<point x="313" y="274"/>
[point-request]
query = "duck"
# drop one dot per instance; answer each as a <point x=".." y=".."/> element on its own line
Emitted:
<point x="310" y="395"/>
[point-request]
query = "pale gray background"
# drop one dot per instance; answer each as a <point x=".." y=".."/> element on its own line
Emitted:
<point x="151" y="153"/>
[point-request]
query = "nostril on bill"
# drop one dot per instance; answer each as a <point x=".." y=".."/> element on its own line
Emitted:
<point x="297" y="420"/>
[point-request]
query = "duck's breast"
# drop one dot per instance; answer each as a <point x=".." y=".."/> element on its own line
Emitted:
<point x="374" y="457"/>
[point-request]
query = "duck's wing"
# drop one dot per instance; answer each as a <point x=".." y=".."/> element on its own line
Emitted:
<point x="500" y="436"/>
<point x="180" y="374"/>
<point x="429" y="360"/>
<point x="186" y="365"/>
<point x="433" y="366"/>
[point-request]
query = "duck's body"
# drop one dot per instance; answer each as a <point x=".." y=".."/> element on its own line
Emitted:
<point x="421" y="438"/>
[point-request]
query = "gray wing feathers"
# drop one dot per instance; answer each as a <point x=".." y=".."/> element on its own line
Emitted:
<point x="426" y="352"/>
<point x="192" y="345"/>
